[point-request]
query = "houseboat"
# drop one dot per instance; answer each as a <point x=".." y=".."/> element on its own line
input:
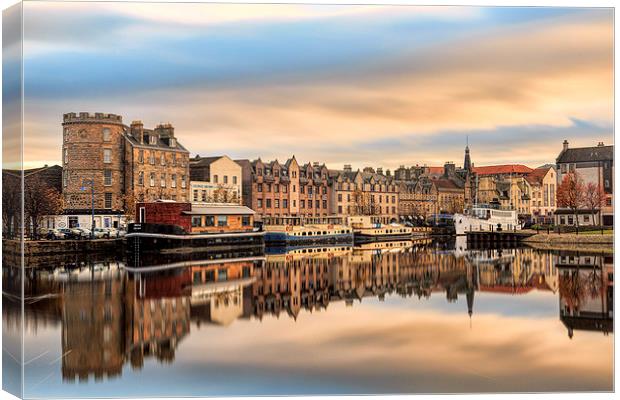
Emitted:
<point x="173" y="227"/>
<point x="367" y="229"/>
<point x="486" y="218"/>
<point x="298" y="231"/>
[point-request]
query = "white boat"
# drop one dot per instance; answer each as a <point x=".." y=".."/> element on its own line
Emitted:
<point x="486" y="218"/>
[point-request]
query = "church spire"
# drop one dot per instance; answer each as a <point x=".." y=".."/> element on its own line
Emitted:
<point x="467" y="162"/>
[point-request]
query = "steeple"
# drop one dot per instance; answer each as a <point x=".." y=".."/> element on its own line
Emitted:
<point x="467" y="162"/>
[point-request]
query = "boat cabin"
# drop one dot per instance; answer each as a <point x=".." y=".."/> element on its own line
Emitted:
<point x="196" y="218"/>
<point x="301" y="221"/>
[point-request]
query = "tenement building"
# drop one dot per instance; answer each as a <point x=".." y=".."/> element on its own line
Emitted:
<point x="366" y="192"/>
<point x="543" y="181"/>
<point x="505" y="186"/>
<point x="275" y="189"/>
<point x="107" y="166"/>
<point x="593" y="165"/>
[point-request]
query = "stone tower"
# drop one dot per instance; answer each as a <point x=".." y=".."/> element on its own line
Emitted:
<point x="93" y="149"/>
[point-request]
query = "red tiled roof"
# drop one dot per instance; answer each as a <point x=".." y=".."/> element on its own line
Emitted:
<point x="503" y="169"/>
<point x="537" y="175"/>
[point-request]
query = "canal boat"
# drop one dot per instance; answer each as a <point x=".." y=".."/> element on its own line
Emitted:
<point x="302" y="231"/>
<point x="486" y="218"/>
<point x="367" y="229"/>
<point x="172" y="227"/>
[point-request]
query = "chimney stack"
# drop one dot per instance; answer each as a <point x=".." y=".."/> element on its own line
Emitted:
<point x="347" y="168"/>
<point x="600" y="144"/>
<point x="380" y="170"/>
<point x="565" y="145"/>
<point x="137" y="130"/>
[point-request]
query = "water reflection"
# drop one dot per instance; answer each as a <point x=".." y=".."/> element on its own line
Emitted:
<point x="112" y="314"/>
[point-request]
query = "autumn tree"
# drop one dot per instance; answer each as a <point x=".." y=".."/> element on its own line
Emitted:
<point x="594" y="199"/>
<point x="129" y="205"/>
<point x="40" y="199"/>
<point x="571" y="193"/>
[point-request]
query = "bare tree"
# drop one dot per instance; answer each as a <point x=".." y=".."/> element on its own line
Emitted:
<point x="594" y="199"/>
<point x="40" y="199"/>
<point x="11" y="203"/>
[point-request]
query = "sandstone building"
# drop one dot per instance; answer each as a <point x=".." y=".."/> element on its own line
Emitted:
<point x="215" y="180"/>
<point x="122" y="164"/>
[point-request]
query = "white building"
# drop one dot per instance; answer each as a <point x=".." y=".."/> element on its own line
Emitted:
<point x="215" y="180"/>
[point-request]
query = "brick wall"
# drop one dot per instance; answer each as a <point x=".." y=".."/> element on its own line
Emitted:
<point x="166" y="214"/>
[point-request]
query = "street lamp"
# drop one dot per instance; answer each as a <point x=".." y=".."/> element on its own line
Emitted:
<point x="91" y="182"/>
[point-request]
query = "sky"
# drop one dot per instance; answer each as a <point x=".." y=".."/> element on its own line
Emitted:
<point x="379" y="86"/>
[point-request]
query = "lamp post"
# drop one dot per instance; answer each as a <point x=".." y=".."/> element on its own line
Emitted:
<point x="91" y="182"/>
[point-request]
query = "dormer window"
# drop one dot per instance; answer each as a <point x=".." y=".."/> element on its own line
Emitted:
<point x="153" y="139"/>
<point x="173" y="142"/>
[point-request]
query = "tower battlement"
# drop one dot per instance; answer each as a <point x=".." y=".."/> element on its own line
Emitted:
<point x="97" y="118"/>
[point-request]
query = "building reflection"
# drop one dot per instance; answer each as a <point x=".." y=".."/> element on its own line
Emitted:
<point x="112" y="315"/>
<point x="586" y="283"/>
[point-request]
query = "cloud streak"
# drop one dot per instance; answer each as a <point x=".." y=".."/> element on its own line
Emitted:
<point x="376" y="85"/>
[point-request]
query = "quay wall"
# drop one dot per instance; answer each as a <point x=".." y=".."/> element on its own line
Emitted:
<point x="12" y="248"/>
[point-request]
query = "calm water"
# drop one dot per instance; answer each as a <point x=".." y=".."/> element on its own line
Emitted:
<point x="427" y="318"/>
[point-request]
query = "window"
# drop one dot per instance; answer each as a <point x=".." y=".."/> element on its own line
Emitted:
<point x="163" y="180"/>
<point x="268" y="187"/>
<point x="66" y="155"/>
<point x="108" y="200"/>
<point x="318" y="204"/>
<point x="204" y="195"/>
<point x="259" y="203"/>
<point x="173" y="180"/>
<point x="302" y="189"/>
<point x="284" y="203"/>
<point x="339" y="196"/>
<point x="276" y="189"/>
<point x="196" y="221"/>
<point x="153" y="139"/>
<point x="162" y="159"/>
<point x="309" y="190"/>
<point x="259" y="187"/>
<point x="234" y="180"/>
<point x="174" y="159"/>
<point x="195" y="195"/>
<point x="294" y="189"/>
<point x="245" y="220"/>
<point x="277" y="203"/>
<point x="106" y="134"/>
<point x="107" y="177"/>
<point x="183" y="181"/>
<point x="152" y="157"/>
<point x="325" y="204"/>
<point x="268" y="203"/>
<point x="225" y="179"/>
<point x="107" y="156"/>
<point x="284" y="189"/>
<point x="302" y="203"/>
<point x="215" y="179"/>
<point x="209" y="220"/>
<point x="152" y="179"/>
<point x="222" y="220"/>
<point x="141" y="156"/>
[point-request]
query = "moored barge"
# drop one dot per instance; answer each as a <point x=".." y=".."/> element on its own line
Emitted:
<point x="172" y="227"/>
<point x="297" y="231"/>
<point x="366" y="230"/>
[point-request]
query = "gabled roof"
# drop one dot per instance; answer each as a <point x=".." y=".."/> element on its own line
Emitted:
<point x="204" y="161"/>
<point x="503" y="169"/>
<point x="585" y="154"/>
<point x="537" y="175"/>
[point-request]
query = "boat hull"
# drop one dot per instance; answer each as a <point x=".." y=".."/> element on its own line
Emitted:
<point x="369" y="238"/>
<point x="285" y="239"/>
<point x="142" y="242"/>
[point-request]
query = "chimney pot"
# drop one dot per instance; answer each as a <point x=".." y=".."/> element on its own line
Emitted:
<point x="565" y="145"/>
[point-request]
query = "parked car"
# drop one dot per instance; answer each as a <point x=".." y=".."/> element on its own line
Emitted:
<point x="67" y="232"/>
<point x="54" y="234"/>
<point x="81" y="233"/>
<point x="102" y="233"/>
